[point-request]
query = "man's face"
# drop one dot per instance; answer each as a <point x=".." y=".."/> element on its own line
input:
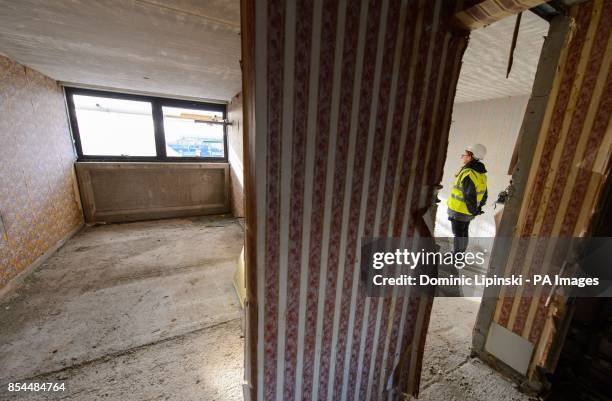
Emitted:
<point x="466" y="157"/>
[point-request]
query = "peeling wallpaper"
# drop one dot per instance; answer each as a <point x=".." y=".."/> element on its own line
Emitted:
<point x="38" y="206"/>
<point x="571" y="163"/>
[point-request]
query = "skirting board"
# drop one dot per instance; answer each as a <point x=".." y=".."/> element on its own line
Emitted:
<point x="18" y="279"/>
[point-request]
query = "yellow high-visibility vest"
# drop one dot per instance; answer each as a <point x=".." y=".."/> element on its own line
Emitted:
<point x="455" y="201"/>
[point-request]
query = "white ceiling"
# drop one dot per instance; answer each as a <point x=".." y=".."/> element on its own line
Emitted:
<point x="187" y="48"/>
<point x="483" y="74"/>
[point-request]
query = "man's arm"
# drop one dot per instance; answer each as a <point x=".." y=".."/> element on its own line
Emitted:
<point x="469" y="196"/>
<point x="483" y="201"/>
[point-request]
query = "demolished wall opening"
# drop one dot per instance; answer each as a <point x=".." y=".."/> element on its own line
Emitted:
<point x="489" y="109"/>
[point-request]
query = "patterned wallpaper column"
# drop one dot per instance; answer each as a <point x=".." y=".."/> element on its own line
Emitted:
<point x="352" y="106"/>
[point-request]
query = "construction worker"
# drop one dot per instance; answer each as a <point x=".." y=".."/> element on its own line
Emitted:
<point x="468" y="194"/>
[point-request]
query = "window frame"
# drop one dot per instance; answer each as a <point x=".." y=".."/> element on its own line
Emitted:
<point x="158" y="126"/>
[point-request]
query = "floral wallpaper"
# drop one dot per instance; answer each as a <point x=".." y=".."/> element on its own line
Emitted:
<point x="38" y="204"/>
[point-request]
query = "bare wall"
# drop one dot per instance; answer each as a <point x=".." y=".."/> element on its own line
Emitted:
<point x="38" y="206"/>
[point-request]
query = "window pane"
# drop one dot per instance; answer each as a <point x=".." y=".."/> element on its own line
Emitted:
<point x="114" y="127"/>
<point x="189" y="133"/>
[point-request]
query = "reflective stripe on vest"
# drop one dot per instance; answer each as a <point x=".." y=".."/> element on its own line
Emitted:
<point x="456" y="201"/>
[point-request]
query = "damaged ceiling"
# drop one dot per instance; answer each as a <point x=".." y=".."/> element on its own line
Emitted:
<point x="188" y="48"/>
<point x="483" y="74"/>
<point x="191" y="48"/>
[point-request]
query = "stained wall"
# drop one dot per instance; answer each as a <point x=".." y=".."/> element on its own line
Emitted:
<point x="38" y="205"/>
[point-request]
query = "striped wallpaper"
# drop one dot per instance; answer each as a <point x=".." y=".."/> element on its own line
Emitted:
<point x="352" y="102"/>
<point x="571" y="163"/>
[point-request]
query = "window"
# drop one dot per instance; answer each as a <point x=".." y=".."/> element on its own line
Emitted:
<point x="189" y="132"/>
<point x="114" y="127"/>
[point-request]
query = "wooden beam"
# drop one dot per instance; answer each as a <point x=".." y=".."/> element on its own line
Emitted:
<point x="247" y="63"/>
<point x="490" y="11"/>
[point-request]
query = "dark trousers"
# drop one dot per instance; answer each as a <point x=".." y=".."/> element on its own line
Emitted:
<point x="460" y="231"/>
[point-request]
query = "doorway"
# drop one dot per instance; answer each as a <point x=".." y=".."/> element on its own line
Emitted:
<point x="489" y="109"/>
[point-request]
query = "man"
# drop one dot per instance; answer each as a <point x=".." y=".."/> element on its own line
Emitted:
<point x="468" y="194"/>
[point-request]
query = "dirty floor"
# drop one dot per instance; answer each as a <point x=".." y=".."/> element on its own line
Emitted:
<point x="139" y="311"/>
<point x="147" y="311"/>
<point x="448" y="372"/>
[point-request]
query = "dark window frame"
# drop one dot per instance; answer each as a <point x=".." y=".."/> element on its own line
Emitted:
<point x="158" y="125"/>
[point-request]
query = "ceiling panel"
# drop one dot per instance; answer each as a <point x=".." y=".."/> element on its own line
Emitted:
<point x="185" y="48"/>
<point x="483" y="74"/>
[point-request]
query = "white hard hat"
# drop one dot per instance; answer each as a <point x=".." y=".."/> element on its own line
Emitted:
<point x="478" y="150"/>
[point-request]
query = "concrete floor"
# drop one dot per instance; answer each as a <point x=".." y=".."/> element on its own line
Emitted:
<point x="139" y="311"/>
<point x="147" y="311"/>
<point x="448" y="372"/>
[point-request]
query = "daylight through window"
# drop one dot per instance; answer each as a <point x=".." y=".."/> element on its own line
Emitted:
<point x="112" y="126"/>
<point x="193" y="132"/>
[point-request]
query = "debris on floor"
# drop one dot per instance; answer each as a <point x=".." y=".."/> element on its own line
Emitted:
<point x="122" y="309"/>
<point x="449" y="374"/>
